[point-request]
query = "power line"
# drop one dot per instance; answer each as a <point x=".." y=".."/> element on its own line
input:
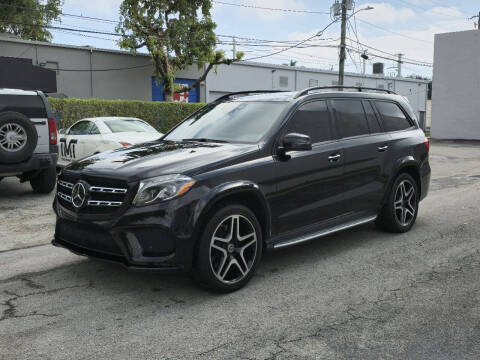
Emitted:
<point x="271" y="9"/>
<point x="396" y="60"/>
<point x="394" y="32"/>
<point x="108" y="69"/>
<point x="387" y="53"/>
<point x="296" y="45"/>
<point x="61" y="28"/>
<point x="90" y="18"/>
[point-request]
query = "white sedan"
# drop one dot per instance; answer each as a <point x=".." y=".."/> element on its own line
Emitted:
<point x="95" y="135"/>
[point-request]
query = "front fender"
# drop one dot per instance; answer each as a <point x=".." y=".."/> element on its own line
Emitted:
<point x="227" y="189"/>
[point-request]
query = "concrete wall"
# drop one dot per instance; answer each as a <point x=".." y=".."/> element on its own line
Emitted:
<point x="456" y="86"/>
<point x="249" y="76"/>
<point x="133" y="84"/>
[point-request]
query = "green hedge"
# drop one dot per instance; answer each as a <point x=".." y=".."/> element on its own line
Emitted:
<point x="162" y="115"/>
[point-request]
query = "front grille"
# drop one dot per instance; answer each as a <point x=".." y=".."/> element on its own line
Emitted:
<point x="101" y="197"/>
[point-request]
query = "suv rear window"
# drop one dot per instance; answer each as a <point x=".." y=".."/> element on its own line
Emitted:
<point x="393" y="117"/>
<point x="350" y="118"/>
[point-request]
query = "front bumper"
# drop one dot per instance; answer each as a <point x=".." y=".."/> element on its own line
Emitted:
<point x="35" y="162"/>
<point x="159" y="238"/>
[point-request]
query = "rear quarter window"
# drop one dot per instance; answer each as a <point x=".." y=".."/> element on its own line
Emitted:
<point x="393" y="117"/>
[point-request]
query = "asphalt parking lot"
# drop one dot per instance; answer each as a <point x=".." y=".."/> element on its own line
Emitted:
<point x="359" y="294"/>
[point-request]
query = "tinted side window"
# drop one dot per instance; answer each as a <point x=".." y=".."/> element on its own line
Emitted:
<point x="350" y="118"/>
<point x="393" y="117"/>
<point x="373" y="121"/>
<point x="81" y="128"/>
<point x="311" y="119"/>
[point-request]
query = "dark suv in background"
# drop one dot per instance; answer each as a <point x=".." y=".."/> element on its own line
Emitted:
<point x="249" y="172"/>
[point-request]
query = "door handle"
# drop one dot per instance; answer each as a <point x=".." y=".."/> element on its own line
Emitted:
<point x="383" y="148"/>
<point x="333" y="158"/>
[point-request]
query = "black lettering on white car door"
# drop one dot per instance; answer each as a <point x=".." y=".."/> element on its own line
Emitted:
<point x="68" y="150"/>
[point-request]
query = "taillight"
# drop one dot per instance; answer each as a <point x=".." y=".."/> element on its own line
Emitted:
<point x="427" y="143"/>
<point x="125" y="143"/>
<point x="52" y="131"/>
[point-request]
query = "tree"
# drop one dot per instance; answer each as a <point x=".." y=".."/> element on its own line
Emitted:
<point x="176" y="33"/>
<point x="29" y="18"/>
<point x="292" y="63"/>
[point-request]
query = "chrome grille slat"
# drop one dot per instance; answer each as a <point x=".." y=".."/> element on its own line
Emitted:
<point x="104" y="203"/>
<point x="64" y="196"/>
<point x="107" y="190"/>
<point x="65" y="184"/>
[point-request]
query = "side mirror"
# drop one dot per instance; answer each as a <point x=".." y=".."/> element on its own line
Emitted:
<point x="296" y="142"/>
<point x="62" y="131"/>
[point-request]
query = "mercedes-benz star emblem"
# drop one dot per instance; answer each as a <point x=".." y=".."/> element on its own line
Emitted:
<point x="79" y="194"/>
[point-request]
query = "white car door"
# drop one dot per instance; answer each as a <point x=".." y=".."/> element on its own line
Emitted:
<point x="80" y="141"/>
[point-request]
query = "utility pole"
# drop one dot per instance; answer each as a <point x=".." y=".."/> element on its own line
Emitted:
<point x="399" y="65"/>
<point x="234" y="48"/>
<point x="341" y="65"/>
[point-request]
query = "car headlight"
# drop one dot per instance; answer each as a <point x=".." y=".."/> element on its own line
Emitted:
<point x="162" y="188"/>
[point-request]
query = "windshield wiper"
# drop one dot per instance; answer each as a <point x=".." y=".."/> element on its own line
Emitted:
<point x="206" y="140"/>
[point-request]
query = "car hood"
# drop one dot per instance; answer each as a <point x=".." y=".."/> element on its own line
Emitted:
<point x="158" y="158"/>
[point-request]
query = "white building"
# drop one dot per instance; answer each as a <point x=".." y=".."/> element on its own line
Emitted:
<point x="131" y="77"/>
<point x="456" y="86"/>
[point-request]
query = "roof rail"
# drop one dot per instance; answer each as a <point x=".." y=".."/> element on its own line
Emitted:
<point x="359" y="88"/>
<point x="246" y="93"/>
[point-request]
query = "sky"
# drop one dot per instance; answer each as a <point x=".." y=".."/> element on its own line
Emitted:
<point x="391" y="27"/>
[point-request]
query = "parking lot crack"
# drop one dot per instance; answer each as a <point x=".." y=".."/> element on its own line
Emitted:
<point x="11" y="310"/>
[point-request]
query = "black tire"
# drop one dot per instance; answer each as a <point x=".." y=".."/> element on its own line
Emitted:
<point x="203" y="270"/>
<point x="22" y="122"/>
<point x="396" y="214"/>
<point x="45" y="181"/>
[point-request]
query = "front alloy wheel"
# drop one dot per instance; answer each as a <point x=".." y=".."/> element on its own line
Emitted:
<point x="233" y="249"/>
<point x="229" y="249"/>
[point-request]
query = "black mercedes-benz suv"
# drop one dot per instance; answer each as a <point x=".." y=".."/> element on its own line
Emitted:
<point x="249" y="172"/>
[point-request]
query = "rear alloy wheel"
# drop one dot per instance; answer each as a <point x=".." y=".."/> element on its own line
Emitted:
<point x="400" y="211"/>
<point x="405" y="203"/>
<point x="229" y="249"/>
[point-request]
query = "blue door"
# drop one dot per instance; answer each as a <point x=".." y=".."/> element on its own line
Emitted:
<point x="158" y="95"/>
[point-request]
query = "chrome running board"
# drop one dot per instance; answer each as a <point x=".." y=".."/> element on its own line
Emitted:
<point x="324" y="232"/>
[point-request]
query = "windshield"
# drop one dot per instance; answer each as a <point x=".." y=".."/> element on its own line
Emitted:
<point x="128" y="125"/>
<point x="234" y="121"/>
